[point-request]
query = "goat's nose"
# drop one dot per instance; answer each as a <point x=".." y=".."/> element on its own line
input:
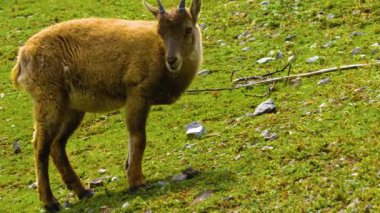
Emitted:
<point x="171" y="60"/>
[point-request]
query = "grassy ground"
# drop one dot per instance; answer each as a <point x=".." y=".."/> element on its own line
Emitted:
<point x="326" y="158"/>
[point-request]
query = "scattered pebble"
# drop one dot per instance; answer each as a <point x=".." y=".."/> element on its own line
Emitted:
<point x="323" y="105"/>
<point x="265" y="60"/>
<point x="324" y="81"/>
<point x="189" y="146"/>
<point x="186" y="174"/>
<point x="290" y="37"/>
<point x="312" y="59"/>
<point x="265" y="3"/>
<point x="245" y="49"/>
<point x="279" y="55"/>
<point x="125" y="205"/>
<point x="102" y="171"/>
<point x="204" y="73"/>
<point x="328" y="44"/>
<point x="66" y="204"/>
<point x="96" y="183"/>
<point x="291" y="58"/>
<point x="202" y="197"/>
<point x="33" y="186"/>
<point x="295" y="82"/>
<point x="16" y="147"/>
<point x="195" y="130"/>
<point x="2" y="95"/>
<point x="375" y="45"/>
<point x="268" y="136"/>
<point x="265" y="148"/>
<point x="355" y="34"/>
<point x="115" y="178"/>
<point x="353" y="203"/>
<point x="356" y="51"/>
<point x="330" y="16"/>
<point x="267" y="106"/>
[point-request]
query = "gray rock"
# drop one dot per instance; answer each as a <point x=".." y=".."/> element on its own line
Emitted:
<point x="202" y="25"/>
<point x="295" y="82"/>
<point x="16" y="147"/>
<point x="355" y="34"/>
<point x="202" y="197"/>
<point x="375" y="45"/>
<point x="265" y="3"/>
<point x="195" y="130"/>
<point x="312" y="59"/>
<point x="266" y="148"/>
<point x="292" y="58"/>
<point x="356" y="51"/>
<point x="180" y="177"/>
<point x="268" y="136"/>
<point x="114" y="178"/>
<point x="324" y="81"/>
<point x="330" y="16"/>
<point x="265" y="60"/>
<point x="279" y="55"/>
<point x="290" y="37"/>
<point x="245" y="49"/>
<point x="33" y="186"/>
<point x="186" y="174"/>
<point x="204" y="73"/>
<point x="328" y="44"/>
<point x="267" y="106"/>
<point x="96" y="183"/>
<point x="125" y="205"/>
<point x="102" y="171"/>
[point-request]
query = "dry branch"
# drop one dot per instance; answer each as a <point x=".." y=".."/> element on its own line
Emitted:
<point x="334" y="69"/>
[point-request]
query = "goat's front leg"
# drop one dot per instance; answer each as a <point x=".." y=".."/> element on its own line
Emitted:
<point x="137" y="113"/>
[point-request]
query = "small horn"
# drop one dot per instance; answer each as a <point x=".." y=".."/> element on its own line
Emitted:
<point x="182" y="5"/>
<point x="161" y="7"/>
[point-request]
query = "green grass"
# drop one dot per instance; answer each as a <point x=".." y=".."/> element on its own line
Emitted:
<point x="322" y="161"/>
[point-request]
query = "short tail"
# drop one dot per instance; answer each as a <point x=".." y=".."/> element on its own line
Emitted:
<point x="16" y="71"/>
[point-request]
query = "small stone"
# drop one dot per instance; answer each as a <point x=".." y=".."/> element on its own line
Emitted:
<point x="312" y="59"/>
<point x="265" y="3"/>
<point x="375" y="45"/>
<point x="279" y="55"/>
<point x="202" y="25"/>
<point x="291" y="58"/>
<point x="102" y="171"/>
<point x="245" y="49"/>
<point x="268" y="136"/>
<point x="265" y="60"/>
<point x="323" y="105"/>
<point x="353" y="203"/>
<point x="355" y="34"/>
<point x="290" y="37"/>
<point x="195" y="130"/>
<point x="202" y="197"/>
<point x="328" y="44"/>
<point x="180" y="177"/>
<point x="114" y="178"/>
<point x="105" y="209"/>
<point x="33" y="186"/>
<point x="189" y="146"/>
<point x="356" y="51"/>
<point x="295" y="82"/>
<point x="330" y="16"/>
<point x="267" y="106"/>
<point x="96" y="183"/>
<point x="265" y="148"/>
<point x="314" y="46"/>
<point x="16" y="147"/>
<point x="66" y="204"/>
<point x="2" y="95"/>
<point x="204" y="73"/>
<point x="125" y="205"/>
<point x="324" y="81"/>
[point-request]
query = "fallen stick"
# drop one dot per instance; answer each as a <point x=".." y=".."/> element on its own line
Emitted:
<point x="334" y="69"/>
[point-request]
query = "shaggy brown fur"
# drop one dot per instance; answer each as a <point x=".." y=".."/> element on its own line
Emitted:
<point x="93" y="65"/>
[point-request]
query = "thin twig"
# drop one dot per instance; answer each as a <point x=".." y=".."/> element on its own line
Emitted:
<point x="334" y="69"/>
<point x="210" y="90"/>
<point x="261" y="77"/>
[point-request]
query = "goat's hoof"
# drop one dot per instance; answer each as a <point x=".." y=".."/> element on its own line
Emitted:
<point x="88" y="193"/>
<point x="55" y="207"/>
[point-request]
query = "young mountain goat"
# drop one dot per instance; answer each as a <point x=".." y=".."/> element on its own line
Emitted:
<point x="95" y="65"/>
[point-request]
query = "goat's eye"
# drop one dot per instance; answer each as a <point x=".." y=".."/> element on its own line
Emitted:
<point x="188" y="31"/>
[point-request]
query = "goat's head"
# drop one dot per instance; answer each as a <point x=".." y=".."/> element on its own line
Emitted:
<point x="179" y="31"/>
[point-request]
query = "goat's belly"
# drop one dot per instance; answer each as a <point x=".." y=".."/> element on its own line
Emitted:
<point x="94" y="103"/>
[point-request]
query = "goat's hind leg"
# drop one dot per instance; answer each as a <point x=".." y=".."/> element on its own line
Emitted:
<point x="47" y="122"/>
<point x="71" y="121"/>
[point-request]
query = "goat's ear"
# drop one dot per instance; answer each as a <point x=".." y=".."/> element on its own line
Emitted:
<point x="152" y="9"/>
<point x="195" y="9"/>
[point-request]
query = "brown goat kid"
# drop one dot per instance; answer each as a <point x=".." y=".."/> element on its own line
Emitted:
<point x="96" y="65"/>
